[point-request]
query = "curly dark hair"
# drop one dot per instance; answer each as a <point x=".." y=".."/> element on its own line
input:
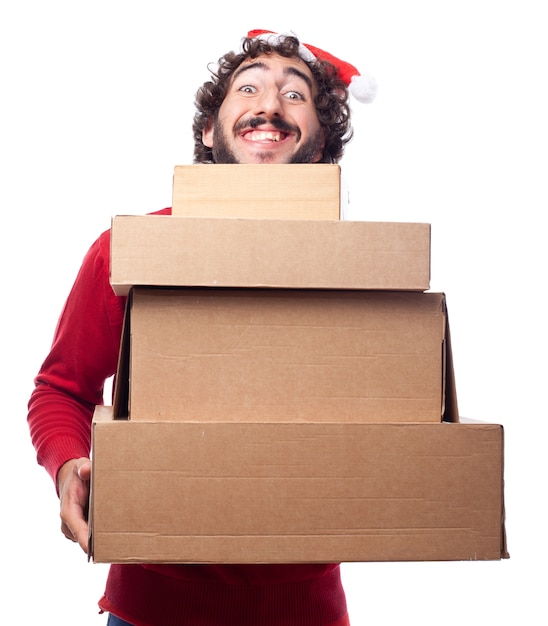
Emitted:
<point x="331" y="100"/>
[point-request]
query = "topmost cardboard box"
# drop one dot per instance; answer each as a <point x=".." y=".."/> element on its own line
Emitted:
<point x="288" y="192"/>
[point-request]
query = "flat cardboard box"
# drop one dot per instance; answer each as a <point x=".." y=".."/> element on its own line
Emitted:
<point x="274" y="355"/>
<point x="298" y="191"/>
<point x="176" y="492"/>
<point x="168" y="251"/>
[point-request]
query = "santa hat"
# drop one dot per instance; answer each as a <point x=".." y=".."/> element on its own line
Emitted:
<point x="362" y="86"/>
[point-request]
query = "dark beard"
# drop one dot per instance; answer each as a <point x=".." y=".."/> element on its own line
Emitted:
<point x="223" y="154"/>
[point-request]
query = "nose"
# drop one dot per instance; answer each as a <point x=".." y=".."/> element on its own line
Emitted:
<point x="270" y="103"/>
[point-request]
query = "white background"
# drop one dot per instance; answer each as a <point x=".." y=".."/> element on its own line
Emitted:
<point x="96" y="108"/>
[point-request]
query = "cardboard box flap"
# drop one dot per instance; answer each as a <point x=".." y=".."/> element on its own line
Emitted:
<point x="120" y="408"/>
<point x="450" y="407"/>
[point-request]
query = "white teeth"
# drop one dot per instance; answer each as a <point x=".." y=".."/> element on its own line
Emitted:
<point x="262" y="135"/>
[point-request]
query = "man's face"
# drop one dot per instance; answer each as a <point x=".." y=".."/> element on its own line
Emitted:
<point x="268" y="115"/>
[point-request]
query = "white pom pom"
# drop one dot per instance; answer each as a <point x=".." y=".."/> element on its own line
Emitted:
<point x="363" y="88"/>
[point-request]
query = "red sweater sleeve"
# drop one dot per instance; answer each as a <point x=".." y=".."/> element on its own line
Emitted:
<point x="84" y="354"/>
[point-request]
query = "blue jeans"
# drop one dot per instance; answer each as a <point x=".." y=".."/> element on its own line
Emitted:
<point x="116" y="621"/>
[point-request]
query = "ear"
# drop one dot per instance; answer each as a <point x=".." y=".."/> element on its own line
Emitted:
<point x="207" y="134"/>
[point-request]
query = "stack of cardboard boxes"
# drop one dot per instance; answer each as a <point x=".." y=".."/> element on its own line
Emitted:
<point x="285" y="390"/>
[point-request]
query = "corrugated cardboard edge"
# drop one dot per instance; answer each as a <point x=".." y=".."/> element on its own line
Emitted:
<point x="101" y="414"/>
<point x="503" y="540"/>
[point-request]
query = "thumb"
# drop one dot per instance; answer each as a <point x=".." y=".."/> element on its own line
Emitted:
<point x="84" y="470"/>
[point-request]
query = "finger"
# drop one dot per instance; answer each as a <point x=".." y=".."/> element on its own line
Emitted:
<point x="67" y="532"/>
<point x="78" y="533"/>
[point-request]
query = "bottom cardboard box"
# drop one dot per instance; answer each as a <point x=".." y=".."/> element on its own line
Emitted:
<point x="189" y="492"/>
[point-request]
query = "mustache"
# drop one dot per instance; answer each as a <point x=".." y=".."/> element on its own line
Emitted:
<point x="276" y="122"/>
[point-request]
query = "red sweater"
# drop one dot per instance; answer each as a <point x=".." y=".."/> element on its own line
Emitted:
<point x="70" y="383"/>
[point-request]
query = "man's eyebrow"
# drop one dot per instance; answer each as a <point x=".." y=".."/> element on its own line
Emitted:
<point x="290" y="71"/>
<point x="295" y="72"/>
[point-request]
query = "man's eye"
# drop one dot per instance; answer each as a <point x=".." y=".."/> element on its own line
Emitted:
<point x="294" y="95"/>
<point x="247" y="89"/>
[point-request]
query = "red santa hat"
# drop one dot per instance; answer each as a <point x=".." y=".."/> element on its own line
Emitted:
<point x="362" y="86"/>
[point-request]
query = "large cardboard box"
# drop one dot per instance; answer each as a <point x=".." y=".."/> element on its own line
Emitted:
<point x="176" y="492"/>
<point x="168" y="251"/>
<point x="297" y="191"/>
<point x="274" y="355"/>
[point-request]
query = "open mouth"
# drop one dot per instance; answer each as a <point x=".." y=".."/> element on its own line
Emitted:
<point x="265" y="135"/>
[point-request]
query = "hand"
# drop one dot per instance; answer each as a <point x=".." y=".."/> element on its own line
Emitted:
<point x="73" y="487"/>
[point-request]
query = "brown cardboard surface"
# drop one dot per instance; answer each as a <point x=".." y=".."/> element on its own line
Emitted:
<point x="168" y="251"/>
<point x="297" y="191"/>
<point x="287" y="355"/>
<point x="277" y="493"/>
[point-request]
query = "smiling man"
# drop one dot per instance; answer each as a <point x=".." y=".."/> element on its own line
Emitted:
<point x="268" y="115"/>
<point x="275" y="101"/>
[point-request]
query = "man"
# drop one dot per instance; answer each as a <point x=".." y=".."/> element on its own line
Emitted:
<point x="275" y="101"/>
